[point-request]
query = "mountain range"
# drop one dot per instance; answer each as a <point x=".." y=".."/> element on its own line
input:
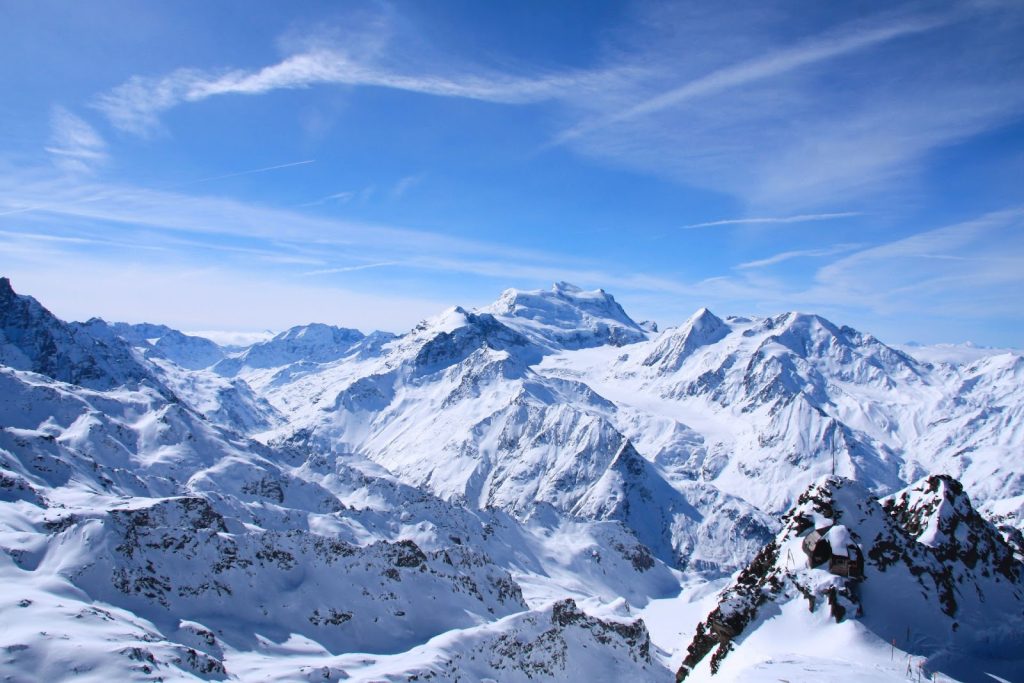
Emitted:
<point x="538" y="489"/>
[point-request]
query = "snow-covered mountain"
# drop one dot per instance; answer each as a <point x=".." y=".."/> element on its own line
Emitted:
<point x="498" y="493"/>
<point x="32" y="339"/>
<point x="567" y="317"/>
<point x="316" y="343"/>
<point x="151" y="541"/>
<point x="940" y="591"/>
<point x="762" y="407"/>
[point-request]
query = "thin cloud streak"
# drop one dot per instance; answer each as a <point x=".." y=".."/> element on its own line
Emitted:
<point x="298" y="236"/>
<point x="774" y="131"/>
<point x="771" y="136"/>
<point x="350" y="269"/>
<point x="76" y="147"/>
<point x="820" y="48"/>
<point x="897" y="276"/>
<point x="796" y="253"/>
<point x="241" y="173"/>
<point x="104" y="195"/>
<point x="218" y="215"/>
<point x="135" y="106"/>
<point x="340" y="197"/>
<point x="405" y="184"/>
<point x="802" y="218"/>
<point x="166" y="217"/>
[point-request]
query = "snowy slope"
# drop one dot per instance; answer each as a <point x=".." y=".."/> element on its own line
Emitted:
<point x="300" y="507"/>
<point x="529" y="400"/>
<point x="762" y="407"/>
<point x="456" y="407"/>
<point x="316" y="343"/>
<point x="151" y="541"/>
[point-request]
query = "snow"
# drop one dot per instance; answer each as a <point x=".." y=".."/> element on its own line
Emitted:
<point x="839" y="540"/>
<point x="797" y="645"/>
<point x="304" y="505"/>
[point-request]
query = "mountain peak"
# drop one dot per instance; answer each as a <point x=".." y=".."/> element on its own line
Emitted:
<point x="320" y="333"/>
<point x="314" y="343"/>
<point x="567" y="317"/>
<point x="675" y="346"/>
<point x="703" y="318"/>
<point x="32" y="338"/>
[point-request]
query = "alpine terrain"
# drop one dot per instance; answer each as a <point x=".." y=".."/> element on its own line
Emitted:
<point x="541" y="489"/>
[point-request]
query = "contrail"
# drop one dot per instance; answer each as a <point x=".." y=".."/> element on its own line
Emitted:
<point x="348" y="269"/>
<point x="804" y="218"/>
<point x="255" y="170"/>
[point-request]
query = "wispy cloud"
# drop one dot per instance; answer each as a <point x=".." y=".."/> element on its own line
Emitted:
<point x="984" y="261"/>
<point x="796" y="253"/>
<point x="194" y="224"/>
<point x="205" y="231"/>
<point x="75" y="146"/>
<point x="735" y="104"/>
<point x="405" y="184"/>
<point x="339" y="197"/>
<point x="831" y="45"/>
<point x="136" y="105"/>
<point x="350" y="269"/>
<point x="763" y="120"/>
<point x="80" y="196"/>
<point x="801" y="218"/>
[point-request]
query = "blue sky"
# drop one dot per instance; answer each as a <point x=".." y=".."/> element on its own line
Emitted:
<point x="252" y="165"/>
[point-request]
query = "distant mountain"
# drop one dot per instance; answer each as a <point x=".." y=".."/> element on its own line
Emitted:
<point x="316" y="343"/>
<point x="761" y="407"/>
<point x="567" y="317"/>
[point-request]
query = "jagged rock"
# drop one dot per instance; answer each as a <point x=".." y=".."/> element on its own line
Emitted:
<point x="934" y="567"/>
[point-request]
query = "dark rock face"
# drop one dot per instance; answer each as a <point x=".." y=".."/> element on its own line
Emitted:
<point x="565" y="613"/>
<point x="937" y="512"/>
<point x="481" y="330"/>
<point x="754" y="586"/>
<point x="32" y="338"/>
<point x="927" y="549"/>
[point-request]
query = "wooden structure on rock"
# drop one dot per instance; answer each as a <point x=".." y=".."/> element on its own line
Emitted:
<point x="834" y="545"/>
